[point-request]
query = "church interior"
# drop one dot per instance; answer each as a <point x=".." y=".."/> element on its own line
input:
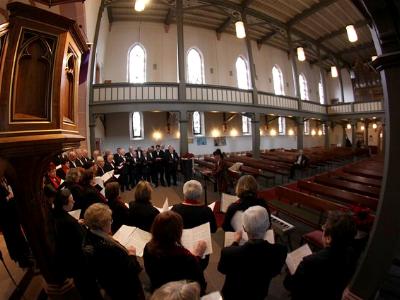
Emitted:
<point x="234" y="114"/>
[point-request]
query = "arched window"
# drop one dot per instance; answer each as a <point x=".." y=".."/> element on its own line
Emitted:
<point x="195" y="67"/>
<point x="242" y="73"/>
<point x="197" y="123"/>
<point x="137" y="64"/>
<point x="136" y="125"/>
<point x="303" y="87"/>
<point x="246" y="125"/>
<point x="307" y="127"/>
<point x="282" y="125"/>
<point x="277" y="77"/>
<point x="321" y="93"/>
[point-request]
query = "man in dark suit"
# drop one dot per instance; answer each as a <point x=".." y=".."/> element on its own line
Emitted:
<point x="171" y="162"/>
<point x="300" y="163"/>
<point x="129" y="158"/>
<point x="100" y="166"/>
<point x="159" y="165"/>
<point x="73" y="161"/>
<point x="121" y="169"/>
<point x="152" y="159"/>
<point x="250" y="267"/>
<point x="110" y="163"/>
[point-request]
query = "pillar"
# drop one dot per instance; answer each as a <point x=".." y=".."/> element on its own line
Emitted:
<point x="92" y="129"/>
<point x="353" y="133"/>
<point x="183" y="129"/>
<point x="322" y="75"/>
<point x="251" y="62"/>
<point x="366" y="125"/>
<point x="294" y="66"/>
<point x="326" y="137"/>
<point x="255" y="137"/>
<point x="344" y="125"/>
<point x="300" y="132"/>
<point x="181" y="51"/>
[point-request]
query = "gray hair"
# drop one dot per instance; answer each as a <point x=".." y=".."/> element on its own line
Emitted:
<point x="98" y="216"/>
<point x="99" y="158"/>
<point x="177" y="290"/>
<point x="256" y="222"/>
<point x="192" y="190"/>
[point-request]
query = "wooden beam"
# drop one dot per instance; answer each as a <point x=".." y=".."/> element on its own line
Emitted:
<point x="364" y="46"/>
<point x="267" y="37"/>
<point x="109" y="14"/>
<point x="341" y="31"/>
<point x="168" y="17"/>
<point x="224" y="25"/>
<point x="310" y="11"/>
<point x="229" y="20"/>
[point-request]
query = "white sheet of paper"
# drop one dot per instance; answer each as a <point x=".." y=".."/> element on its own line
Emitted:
<point x="237" y="221"/>
<point x="99" y="180"/>
<point x="75" y="213"/>
<point x="107" y="176"/>
<point x="229" y="237"/>
<point x="190" y="237"/>
<point x="126" y="204"/>
<point x="294" y="258"/>
<point x="212" y="205"/>
<point x="133" y="236"/>
<point x="165" y="205"/>
<point x="212" y="296"/>
<point x="227" y="200"/>
<point x="58" y="167"/>
<point x="117" y="175"/>
<point x="61" y="181"/>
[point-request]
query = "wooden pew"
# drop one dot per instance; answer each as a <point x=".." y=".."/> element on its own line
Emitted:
<point x="357" y="179"/>
<point x="320" y="205"/>
<point x="349" y="186"/>
<point x="338" y="194"/>
<point x="363" y="172"/>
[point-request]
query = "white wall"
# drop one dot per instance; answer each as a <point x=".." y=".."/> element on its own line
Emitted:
<point x="333" y="87"/>
<point x="219" y="55"/>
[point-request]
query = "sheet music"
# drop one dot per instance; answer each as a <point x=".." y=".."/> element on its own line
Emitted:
<point x="117" y="175"/>
<point x="190" y="237"/>
<point x="294" y="258"/>
<point x="212" y="296"/>
<point x="133" y="236"/>
<point x="75" y="213"/>
<point x="229" y="237"/>
<point x="212" y="205"/>
<point x="165" y="206"/>
<point x="126" y="204"/>
<point x="107" y="176"/>
<point x="61" y="181"/>
<point x="98" y="180"/>
<point x="58" y="167"/>
<point x="227" y="200"/>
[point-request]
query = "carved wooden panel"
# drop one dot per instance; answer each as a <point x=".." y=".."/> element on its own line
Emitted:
<point x="33" y="77"/>
<point x="70" y="73"/>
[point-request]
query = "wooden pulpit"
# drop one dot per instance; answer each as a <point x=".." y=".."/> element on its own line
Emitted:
<point x="40" y="55"/>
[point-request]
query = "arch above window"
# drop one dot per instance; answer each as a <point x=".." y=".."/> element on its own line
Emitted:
<point x="303" y="87"/>
<point x="277" y="78"/>
<point x="195" y="66"/>
<point x="137" y="64"/>
<point x="242" y="73"/>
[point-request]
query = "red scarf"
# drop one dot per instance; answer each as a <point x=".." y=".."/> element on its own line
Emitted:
<point x="56" y="181"/>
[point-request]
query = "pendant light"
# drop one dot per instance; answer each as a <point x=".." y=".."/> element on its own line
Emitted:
<point x="334" y="72"/>
<point x="301" y="55"/>
<point x="351" y="33"/>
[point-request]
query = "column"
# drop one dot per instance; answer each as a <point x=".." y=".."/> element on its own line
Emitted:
<point x="294" y="66"/>
<point x="366" y="125"/>
<point x="251" y="62"/>
<point x="92" y="129"/>
<point x="255" y="137"/>
<point x="323" y="77"/>
<point x="183" y="128"/>
<point x="344" y="125"/>
<point x="327" y="132"/>
<point x="353" y="133"/>
<point x="300" y="132"/>
<point x="181" y="51"/>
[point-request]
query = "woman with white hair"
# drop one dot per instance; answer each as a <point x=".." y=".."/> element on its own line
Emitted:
<point x="193" y="212"/>
<point x="115" y="267"/>
<point x="249" y="268"/>
<point x="177" y="290"/>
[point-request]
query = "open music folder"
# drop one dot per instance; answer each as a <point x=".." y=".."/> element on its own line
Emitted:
<point x="227" y="200"/>
<point x="294" y="258"/>
<point x="75" y="213"/>
<point x="190" y="237"/>
<point x="229" y="237"/>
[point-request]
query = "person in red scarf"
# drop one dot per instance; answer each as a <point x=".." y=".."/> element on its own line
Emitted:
<point x="51" y="177"/>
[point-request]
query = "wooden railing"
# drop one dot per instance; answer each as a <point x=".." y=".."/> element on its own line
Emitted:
<point x="168" y="92"/>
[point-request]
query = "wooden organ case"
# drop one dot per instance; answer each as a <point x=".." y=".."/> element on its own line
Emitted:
<point x="40" y="56"/>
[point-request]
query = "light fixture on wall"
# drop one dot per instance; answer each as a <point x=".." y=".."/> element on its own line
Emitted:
<point x="215" y="132"/>
<point x="290" y="131"/>
<point x="157" y="135"/>
<point x="362" y="127"/>
<point x="319" y="132"/>
<point x="178" y="135"/>
<point x="234" y="132"/>
<point x="301" y="55"/>
<point x="272" y="132"/>
<point x="334" y="72"/>
<point x="348" y="126"/>
<point x="313" y="132"/>
<point x="373" y="57"/>
<point x="374" y="126"/>
<point x="351" y="33"/>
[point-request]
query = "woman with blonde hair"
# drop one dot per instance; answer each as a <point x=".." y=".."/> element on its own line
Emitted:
<point x="177" y="290"/>
<point x="141" y="211"/>
<point x="246" y="190"/>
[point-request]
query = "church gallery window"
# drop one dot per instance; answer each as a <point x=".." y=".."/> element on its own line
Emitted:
<point x="195" y="69"/>
<point x="137" y="64"/>
<point x="242" y="73"/>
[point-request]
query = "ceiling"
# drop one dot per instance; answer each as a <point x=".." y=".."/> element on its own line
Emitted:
<point x="314" y="24"/>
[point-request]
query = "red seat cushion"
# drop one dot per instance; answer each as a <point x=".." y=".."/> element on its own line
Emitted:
<point x="314" y="238"/>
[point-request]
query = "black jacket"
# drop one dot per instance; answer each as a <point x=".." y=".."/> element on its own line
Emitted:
<point x="116" y="271"/>
<point x="322" y="275"/>
<point x="142" y="215"/>
<point x="249" y="268"/>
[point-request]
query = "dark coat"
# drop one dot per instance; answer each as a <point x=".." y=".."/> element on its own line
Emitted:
<point x="116" y="271"/>
<point x="249" y="268"/>
<point x="322" y="275"/>
<point x="120" y="213"/>
<point x="177" y="264"/>
<point x="142" y="215"/>
<point x="195" y="215"/>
